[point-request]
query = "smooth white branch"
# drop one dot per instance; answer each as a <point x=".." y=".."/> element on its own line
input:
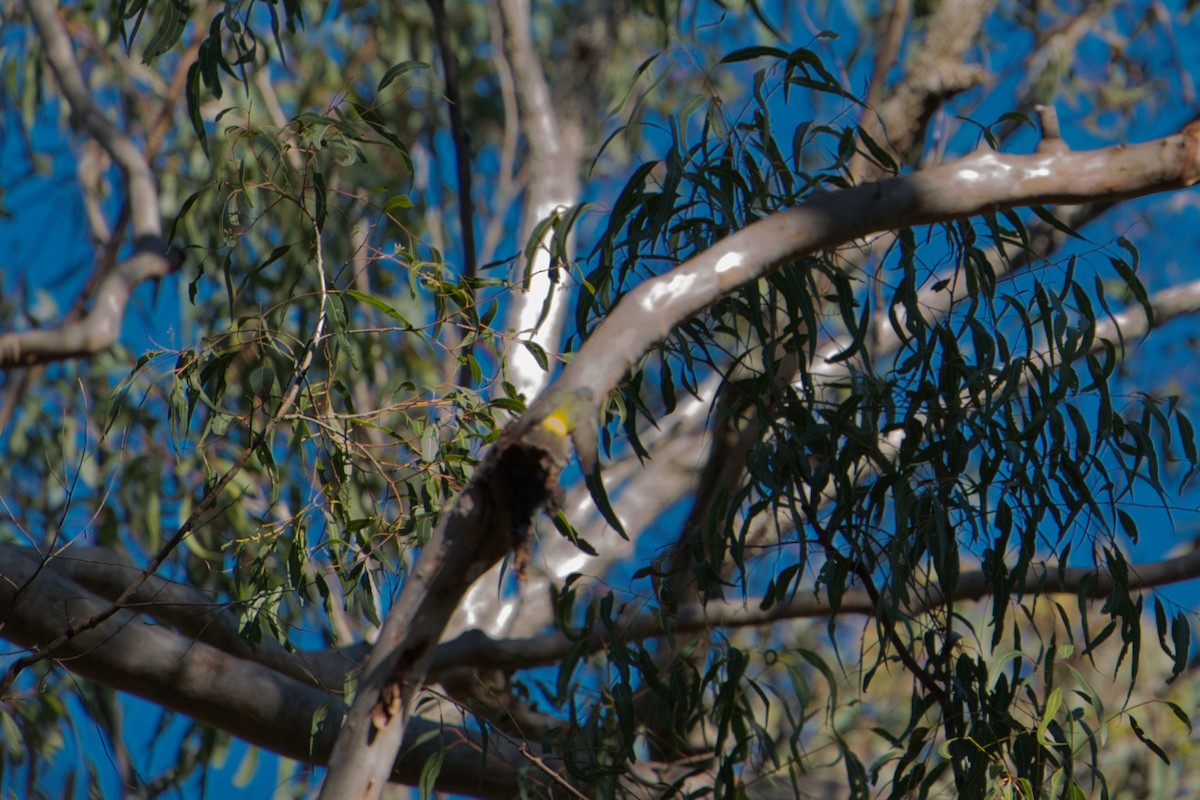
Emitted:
<point x="983" y="182"/>
<point x="152" y="257"/>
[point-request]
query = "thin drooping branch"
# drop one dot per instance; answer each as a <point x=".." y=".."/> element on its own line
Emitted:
<point x="462" y="139"/>
<point x="462" y="159"/>
<point x="475" y="647"/>
<point x="1120" y="330"/>
<point x="152" y="257"/>
<point x="732" y="435"/>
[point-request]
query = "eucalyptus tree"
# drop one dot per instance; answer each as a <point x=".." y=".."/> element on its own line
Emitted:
<point x="598" y="399"/>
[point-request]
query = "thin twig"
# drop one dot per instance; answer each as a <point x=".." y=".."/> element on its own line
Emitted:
<point x="885" y="59"/>
<point x="202" y="507"/>
<point x="559" y="779"/>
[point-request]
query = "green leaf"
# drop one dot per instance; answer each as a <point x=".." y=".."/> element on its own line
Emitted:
<point x="1093" y="698"/>
<point x="1181" y="635"/>
<point x="319" y="199"/>
<point x="399" y="201"/>
<point x="878" y="154"/>
<point x="538" y="353"/>
<point x="192" y="96"/>
<point x="397" y="70"/>
<point x="429" y="774"/>
<point x="380" y="305"/>
<point x="1146" y="740"/>
<point x="174" y="20"/>
<point x="318" y="722"/>
<point x="751" y="53"/>
<point x="1047" y="216"/>
<point x="1180" y="714"/>
<point x="1053" y="703"/>
<point x="595" y="485"/>
<point x="247" y="768"/>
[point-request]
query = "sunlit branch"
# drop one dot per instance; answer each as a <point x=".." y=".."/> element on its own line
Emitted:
<point x="984" y="181"/>
<point x="539" y="305"/>
<point x="677" y="455"/>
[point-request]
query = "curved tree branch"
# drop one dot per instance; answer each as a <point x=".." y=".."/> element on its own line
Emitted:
<point x="295" y="381"/>
<point x="152" y="257"/>
<point x="984" y="181"/>
<point x="193" y="613"/>
<point x="683" y="445"/>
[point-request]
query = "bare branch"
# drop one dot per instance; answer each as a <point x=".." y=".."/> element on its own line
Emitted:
<point x="462" y="155"/>
<point x="462" y="139"/>
<point x="506" y="186"/>
<point x="539" y="308"/>
<point x="197" y="614"/>
<point x="152" y="258"/>
<point x="885" y="58"/>
<point x="476" y="648"/>
<point x="936" y="72"/>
